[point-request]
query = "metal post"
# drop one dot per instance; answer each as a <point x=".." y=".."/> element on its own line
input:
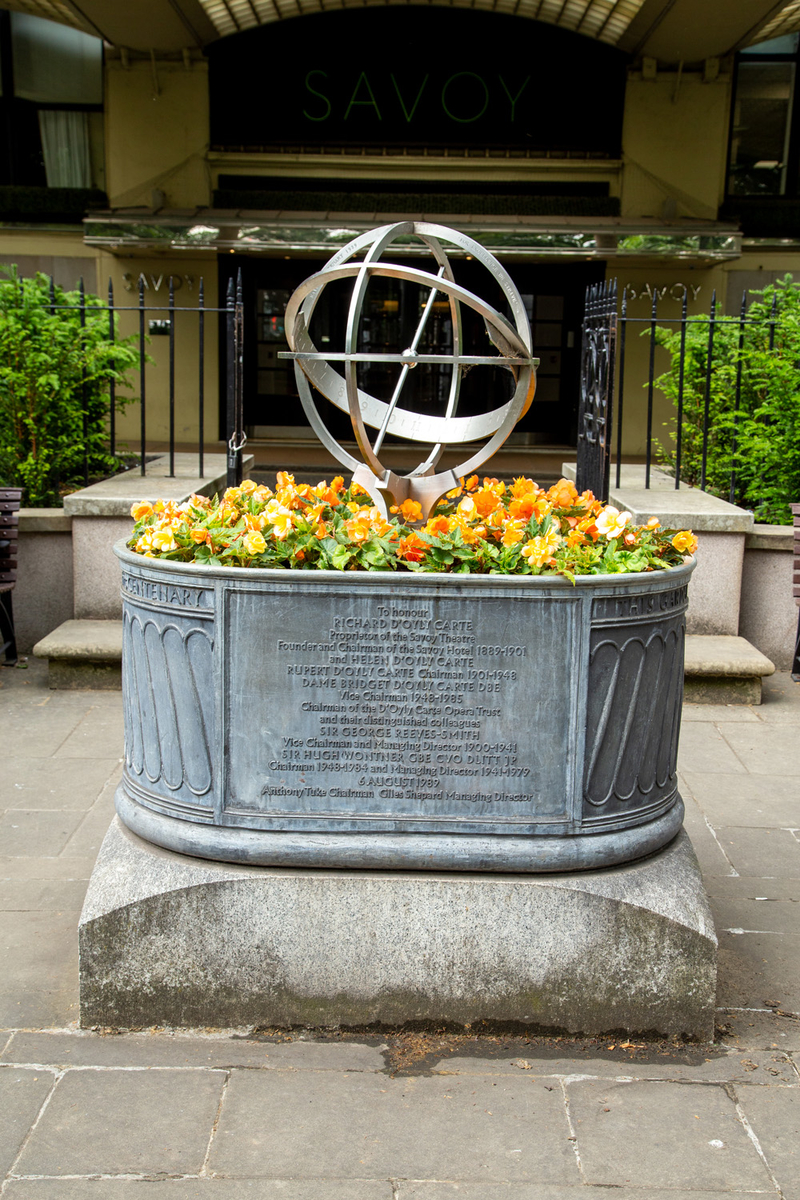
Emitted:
<point x="707" y="404"/>
<point x="112" y="383"/>
<point x="142" y="414"/>
<point x="623" y="329"/>
<point x="82" y="309"/>
<point x="171" y="377"/>
<point x="235" y="407"/>
<point x="650" y="382"/>
<point x="681" y="366"/>
<point x="737" y="396"/>
<point x="201" y="371"/>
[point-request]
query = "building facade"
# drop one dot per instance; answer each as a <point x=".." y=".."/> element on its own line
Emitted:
<point x="579" y="141"/>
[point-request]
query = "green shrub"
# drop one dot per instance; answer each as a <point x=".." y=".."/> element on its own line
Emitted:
<point x="54" y="388"/>
<point x="760" y="441"/>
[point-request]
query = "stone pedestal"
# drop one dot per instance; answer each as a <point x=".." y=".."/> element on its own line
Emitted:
<point x="170" y="940"/>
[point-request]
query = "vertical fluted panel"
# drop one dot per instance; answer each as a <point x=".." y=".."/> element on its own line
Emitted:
<point x="633" y="711"/>
<point x="134" y="659"/>
<point x="192" y="738"/>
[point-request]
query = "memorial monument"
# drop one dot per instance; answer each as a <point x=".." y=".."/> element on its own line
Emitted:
<point x="361" y="734"/>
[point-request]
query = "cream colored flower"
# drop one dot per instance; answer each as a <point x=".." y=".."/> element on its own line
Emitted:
<point x="611" y="522"/>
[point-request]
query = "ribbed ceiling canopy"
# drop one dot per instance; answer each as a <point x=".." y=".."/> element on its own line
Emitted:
<point x="671" y="31"/>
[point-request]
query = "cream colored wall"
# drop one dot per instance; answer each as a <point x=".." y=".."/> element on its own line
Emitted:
<point x="125" y="274"/>
<point x="674" y="144"/>
<point x="156" y="133"/>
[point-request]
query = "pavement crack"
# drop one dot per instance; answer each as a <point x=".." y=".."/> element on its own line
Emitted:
<point x="730" y="1090"/>
<point x="713" y="832"/>
<point x="57" y="1077"/>
<point x="215" y="1125"/>
<point x="573" y="1137"/>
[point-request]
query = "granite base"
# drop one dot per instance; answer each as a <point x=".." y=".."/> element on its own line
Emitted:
<point x="170" y="940"/>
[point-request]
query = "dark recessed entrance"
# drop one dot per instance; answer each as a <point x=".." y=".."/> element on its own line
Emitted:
<point x="553" y="296"/>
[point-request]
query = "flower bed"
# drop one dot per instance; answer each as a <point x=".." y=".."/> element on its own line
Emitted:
<point x="485" y="529"/>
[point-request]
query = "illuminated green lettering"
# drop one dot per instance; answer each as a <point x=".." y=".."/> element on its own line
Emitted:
<point x="409" y="115"/>
<point x="477" y="115"/>
<point x="314" y="92"/>
<point x="514" y="99"/>
<point x="371" y="102"/>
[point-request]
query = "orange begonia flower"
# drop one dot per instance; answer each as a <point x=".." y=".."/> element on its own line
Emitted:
<point x="411" y="548"/>
<point x="284" y="480"/>
<point x="513" y="533"/>
<point x="141" y="510"/>
<point x="437" y="526"/>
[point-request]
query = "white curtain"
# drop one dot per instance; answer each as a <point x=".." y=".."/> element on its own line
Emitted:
<point x="65" y="143"/>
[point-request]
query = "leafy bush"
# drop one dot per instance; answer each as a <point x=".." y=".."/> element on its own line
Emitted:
<point x="54" y="388"/>
<point x="753" y="453"/>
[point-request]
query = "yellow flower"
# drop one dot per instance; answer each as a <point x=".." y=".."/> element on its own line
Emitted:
<point x="537" y="551"/>
<point x="232" y="494"/>
<point x="467" y="509"/>
<point x="282" y="525"/>
<point x="141" y="510"/>
<point x="254" y="543"/>
<point x="685" y="542"/>
<point x="513" y="533"/>
<point x="164" y="541"/>
<point x="248" y="486"/>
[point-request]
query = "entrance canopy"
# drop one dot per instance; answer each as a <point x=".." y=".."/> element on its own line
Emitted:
<point x="669" y="30"/>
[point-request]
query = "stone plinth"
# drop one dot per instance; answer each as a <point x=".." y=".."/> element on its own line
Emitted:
<point x="169" y="940"/>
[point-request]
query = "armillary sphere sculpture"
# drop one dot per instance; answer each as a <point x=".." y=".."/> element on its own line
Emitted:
<point x="360" y="260"/>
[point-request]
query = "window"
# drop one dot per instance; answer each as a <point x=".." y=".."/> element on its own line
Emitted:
<point x="765" y="122"/>
<point x="51" y="105"/>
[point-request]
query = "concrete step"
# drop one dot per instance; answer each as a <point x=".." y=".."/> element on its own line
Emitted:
<point x="83" y="654"/>
<point x="721" y="669"/>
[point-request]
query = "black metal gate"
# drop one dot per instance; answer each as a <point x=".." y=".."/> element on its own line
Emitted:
<point x="598" y="349"/>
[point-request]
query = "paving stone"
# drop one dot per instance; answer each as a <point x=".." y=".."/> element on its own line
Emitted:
<point x="164" y="1050"/>
<point x="53" y="783"/>
<point x="773" y="917"/>
<point x="750" y="887"/>
<point x="767" y="1067"/>
<point x="763" y="751"/>
<point x="754" y="967"/>
<point x="712" y="713"/>
<point x="41" y="988"/>
<point x="764" y="853"/>
<point x="64" y="867"/>
<point x="88" y="836"/>
<point x="374" y="1126"/>
<point x="42" y="895"/>
<point x="199" y="1189"/>
<point x="774" y="1116"/>
<point x="663" y="1135"/>
<point x="760" y="1030"/>
<point x="780" y="701"/>
<point x="42" y="834"/>
<point x="22" y="1094"/>
<point x="37" y="730"/>
<point x="98" y="735"/>
<point x="757" y="800"/>
<point x="427" y="1190"/>
<point x="702" y="748"/>
<point x="710" y="854"/>
<point x="124" y="1122"/>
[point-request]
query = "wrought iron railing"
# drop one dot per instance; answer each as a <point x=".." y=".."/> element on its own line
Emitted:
<point x="232" y="313"/>
<point x="610" y="380"/>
